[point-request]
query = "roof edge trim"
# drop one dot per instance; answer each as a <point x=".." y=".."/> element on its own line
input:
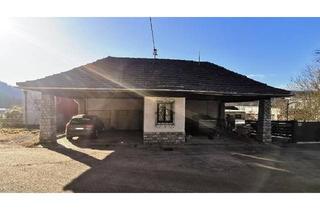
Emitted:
<point x="164" y="90"/>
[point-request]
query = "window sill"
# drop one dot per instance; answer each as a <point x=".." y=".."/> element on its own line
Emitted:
<point x="164" y="123"/>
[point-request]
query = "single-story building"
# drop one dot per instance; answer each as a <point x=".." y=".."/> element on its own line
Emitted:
<point x="161" y="97"/>
<point x="3" y="112"/>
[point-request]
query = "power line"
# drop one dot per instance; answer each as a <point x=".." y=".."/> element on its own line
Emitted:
<point x="155" y="51"/>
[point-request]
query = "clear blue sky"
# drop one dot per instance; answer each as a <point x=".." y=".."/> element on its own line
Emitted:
<point x="271" y="50"/>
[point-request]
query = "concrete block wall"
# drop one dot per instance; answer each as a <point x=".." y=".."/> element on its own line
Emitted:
<point x="31" y="107"/>
<point x="48" y="119"/>
<point x="163" y="137"/>
<point x="264" y="121"/>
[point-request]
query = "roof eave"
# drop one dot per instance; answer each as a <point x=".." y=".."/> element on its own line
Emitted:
<point x="217" y="93"/>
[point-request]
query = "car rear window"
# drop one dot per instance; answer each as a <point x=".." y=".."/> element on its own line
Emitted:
<point x="79" y="121"/>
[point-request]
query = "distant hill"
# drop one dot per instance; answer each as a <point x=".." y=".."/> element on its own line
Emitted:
<point x="9" y="96"/>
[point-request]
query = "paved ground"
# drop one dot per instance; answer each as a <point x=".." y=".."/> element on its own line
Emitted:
<point x="230" y="167"/>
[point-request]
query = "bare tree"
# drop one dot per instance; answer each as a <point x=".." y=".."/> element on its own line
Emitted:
<point x="281" y="103"/>
<point x="317" y="52"/>
<point x="307" y="98"/>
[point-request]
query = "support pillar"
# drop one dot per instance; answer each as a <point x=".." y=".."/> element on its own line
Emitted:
<point x="264" y="121"/>
<point x="221" y="115"/>
<point x="48" y="119"/>
<point x="25" y="108"/>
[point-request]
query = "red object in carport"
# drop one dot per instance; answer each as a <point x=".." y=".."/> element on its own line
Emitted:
<point x="66" y="108"/>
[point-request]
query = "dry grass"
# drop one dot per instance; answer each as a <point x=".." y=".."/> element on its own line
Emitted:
<point x="19" y="136"/>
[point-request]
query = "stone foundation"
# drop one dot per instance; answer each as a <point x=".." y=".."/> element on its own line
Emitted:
<point x="164" y="138"/>
<point x="264" y="121"/>
<point x="48" y="119"/>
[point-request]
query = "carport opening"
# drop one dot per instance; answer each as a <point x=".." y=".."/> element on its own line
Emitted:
<point x="202" y="118"/>
<point x="122" y="118"/>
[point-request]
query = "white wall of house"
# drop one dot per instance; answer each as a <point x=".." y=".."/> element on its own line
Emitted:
<point x="2" y="112"/>
<point x="121" y="114"/>
<point x="150" y="109"/>
<point x="31" y="107"/>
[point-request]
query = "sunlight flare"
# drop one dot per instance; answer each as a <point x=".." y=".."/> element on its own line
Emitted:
<point x="5" y="26"/>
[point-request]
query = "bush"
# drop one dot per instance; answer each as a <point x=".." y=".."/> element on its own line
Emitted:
<point x="13" y="118"/>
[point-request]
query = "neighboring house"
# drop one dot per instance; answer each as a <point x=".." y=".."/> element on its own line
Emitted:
<point x="2" y="112"/>
<point x="251" y="112"/>
<point x="164" y="98"/>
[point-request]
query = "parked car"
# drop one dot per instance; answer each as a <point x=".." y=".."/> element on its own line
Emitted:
<point x="84" y="125"/>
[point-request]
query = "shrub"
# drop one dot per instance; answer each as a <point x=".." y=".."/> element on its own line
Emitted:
<point x="13" y="117"/>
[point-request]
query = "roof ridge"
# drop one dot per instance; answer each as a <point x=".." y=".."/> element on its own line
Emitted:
<point x="146" y="58"/>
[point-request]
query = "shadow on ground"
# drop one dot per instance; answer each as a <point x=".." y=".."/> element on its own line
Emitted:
<point x="190" y="168"/>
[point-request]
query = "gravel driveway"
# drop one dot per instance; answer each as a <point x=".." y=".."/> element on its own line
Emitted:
<point x="189" y="168"/>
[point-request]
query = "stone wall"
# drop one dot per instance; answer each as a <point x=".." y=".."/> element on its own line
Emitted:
<point x="48" y="119"/>
<point x="163" y="137"/>
<point x="264" y="121"/>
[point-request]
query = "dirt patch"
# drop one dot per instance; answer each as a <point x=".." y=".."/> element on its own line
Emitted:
<point x="19" y="136"/>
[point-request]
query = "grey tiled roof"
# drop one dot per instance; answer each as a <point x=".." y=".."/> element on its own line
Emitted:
<point x="155" y="74"/>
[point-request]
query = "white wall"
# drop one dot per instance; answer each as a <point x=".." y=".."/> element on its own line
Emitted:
<point x="122" y="114"/>
<point x="31" y="107"/>
<point x="150" y="109"/>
